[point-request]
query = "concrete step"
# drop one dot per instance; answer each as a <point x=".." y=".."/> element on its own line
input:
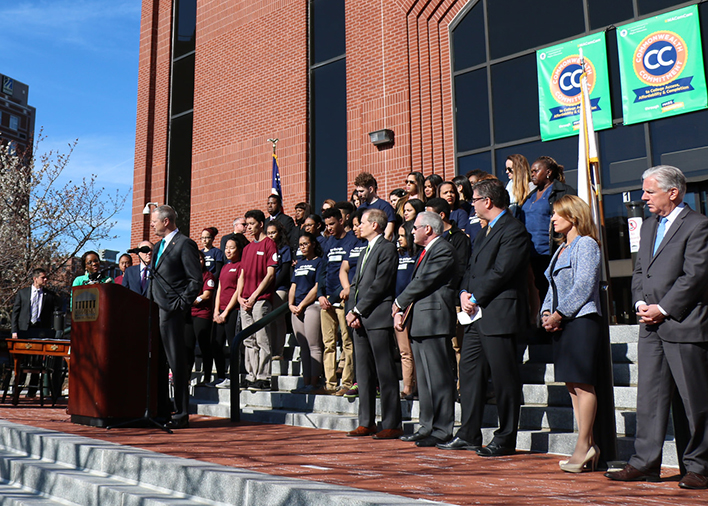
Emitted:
<point x="41" y="467"/>
<point x="622" y="353"/>
<point x="625" y="374"/>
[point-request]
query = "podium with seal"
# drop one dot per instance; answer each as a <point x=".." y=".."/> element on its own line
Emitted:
<point x="109" y="355"/>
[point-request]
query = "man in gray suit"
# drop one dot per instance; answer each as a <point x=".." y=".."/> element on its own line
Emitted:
<point x="669" y="289"/>
<point x="428" y="306"/>
<point x="176" y="282"/>
<point x="372" y="293"/>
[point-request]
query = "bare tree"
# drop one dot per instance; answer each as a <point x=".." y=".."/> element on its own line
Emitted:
<point x="45" y="222"/>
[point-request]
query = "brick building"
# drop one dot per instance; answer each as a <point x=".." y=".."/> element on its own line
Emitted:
<point x="455" y="80"/>
<point x="16" y="115"/>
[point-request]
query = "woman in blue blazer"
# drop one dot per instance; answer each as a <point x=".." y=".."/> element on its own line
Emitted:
<point x="571" y="311"/>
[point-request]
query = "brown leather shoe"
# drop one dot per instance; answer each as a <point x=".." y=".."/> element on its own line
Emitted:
<point x="694" y="481"/>
<point x="341" y="391"/>
<point x="631" y="473"/>
<point x="388" y="434"/>
<point x="362" y="431"/>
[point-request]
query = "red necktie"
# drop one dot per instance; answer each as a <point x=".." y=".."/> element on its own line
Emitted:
<point x="420" y="258"/>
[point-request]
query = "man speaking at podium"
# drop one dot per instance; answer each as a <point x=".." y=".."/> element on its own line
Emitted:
<point x="176" y="282"/>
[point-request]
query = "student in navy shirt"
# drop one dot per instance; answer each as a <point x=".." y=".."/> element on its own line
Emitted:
<point x="348" y="268"/>
<point x="367" y="187"/>
<point x="448" y="191"/>
<point x="214" y="257"/>
<point x="305" y="309"/>
<point x="276" y="231"/>
<point x="333" y="315"/>
<point x="407" y="256"/>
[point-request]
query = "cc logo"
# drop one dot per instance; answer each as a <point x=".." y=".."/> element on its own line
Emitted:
<point x="565" y="79"/>
<point x="660" y="58"/>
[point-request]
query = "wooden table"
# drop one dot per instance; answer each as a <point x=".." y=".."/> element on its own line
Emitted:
<point x="37" y="347"/>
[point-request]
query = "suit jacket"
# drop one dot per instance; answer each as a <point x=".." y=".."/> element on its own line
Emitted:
<point x="496" y="276"/>
<point x="21" y="311"/>
<point x="675" y="278"/>
<point x="177" y="276"/>
<point x="131" y="279"/>
<point x="375" y="285"/>
<point x="431" y="293"/>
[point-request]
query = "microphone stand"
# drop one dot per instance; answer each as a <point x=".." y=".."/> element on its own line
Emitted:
<point x="146" y="415"/>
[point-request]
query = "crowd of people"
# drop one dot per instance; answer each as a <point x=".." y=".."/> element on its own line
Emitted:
<point x="444" y="276"/>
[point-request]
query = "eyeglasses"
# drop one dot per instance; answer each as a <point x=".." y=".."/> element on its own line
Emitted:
<point x="410" y="182"/>
<point x="509" y="169"/>
<point x="206" y="237"/>
<point x="475" y="199"/>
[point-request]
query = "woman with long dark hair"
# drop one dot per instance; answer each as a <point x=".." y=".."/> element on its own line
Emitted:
<point x="197" y="327"/>
<point x="283" y="270"/>
<point x="407" y="256"/>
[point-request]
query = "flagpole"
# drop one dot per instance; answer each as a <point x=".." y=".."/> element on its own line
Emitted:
<point x="276" y="187"/>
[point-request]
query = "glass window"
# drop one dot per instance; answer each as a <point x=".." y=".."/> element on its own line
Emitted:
<point x="185" y="26"/>
<point x="469" y="44"/>
<point x="564" y="151"/>
<point x="472" y="101"/>
<point x="515" y="105"/>
<point x="179" y="174"/>
<point x="183" y="85"/>
<point x="14" y="122"/>
<point x="328" y="35"/>
<point x="482" y="161"/>
<point x="649" y="6"/>
<point x="329" y="132"/>
<point x="603" y="13"/>
<point x="623" y="156"/>
<point x="681" y="141"/>
<point x="515" y="26"/>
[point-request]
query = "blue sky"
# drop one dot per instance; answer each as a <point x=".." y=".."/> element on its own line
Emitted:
<point x="80" y="61"/>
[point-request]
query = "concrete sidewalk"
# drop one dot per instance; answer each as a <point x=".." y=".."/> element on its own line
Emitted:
<point x="392" y="467"/>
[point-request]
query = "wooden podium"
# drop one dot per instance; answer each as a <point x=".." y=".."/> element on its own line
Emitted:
<point x="109" y="355"/>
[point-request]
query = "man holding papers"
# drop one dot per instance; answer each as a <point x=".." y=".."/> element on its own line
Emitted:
<point x="496" y="282"/>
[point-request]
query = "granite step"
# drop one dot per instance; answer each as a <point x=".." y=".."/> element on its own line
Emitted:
<point x="41" y="467"/>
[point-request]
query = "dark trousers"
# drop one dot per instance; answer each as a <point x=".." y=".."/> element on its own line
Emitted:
<point x="223" y="332"/>
<point x="482" y="355"/>
<point x="663" y="368"/>
<point x="375" y="360"/>
<point x="172" y="334"/>
<point x="196" y="330"/>
<point x="436" y="386"/>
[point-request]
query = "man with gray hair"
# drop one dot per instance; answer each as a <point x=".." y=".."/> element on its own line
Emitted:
<point x="427" y="307"/>
<point x="176" y="282"/>
<point x="671" y="300"/>
<point x="239" y="228"/>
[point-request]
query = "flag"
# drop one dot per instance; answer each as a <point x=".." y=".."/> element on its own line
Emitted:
<point x="275" y="182"/>
<point x="588" y="161"/>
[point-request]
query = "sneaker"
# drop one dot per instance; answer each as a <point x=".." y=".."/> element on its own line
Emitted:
<point x="353" y="392"/>
<point x="213" y="383"/>
<point x="224" y="383"/>
<point x="260" y="385"/>
<point x="246" y="384"/>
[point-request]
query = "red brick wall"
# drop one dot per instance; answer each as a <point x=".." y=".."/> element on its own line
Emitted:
<point x="251" y="84"/>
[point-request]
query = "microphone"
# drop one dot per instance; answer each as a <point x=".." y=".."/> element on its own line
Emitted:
<point x="141" y="249"/>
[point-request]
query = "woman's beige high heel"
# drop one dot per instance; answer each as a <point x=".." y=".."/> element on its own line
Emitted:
<point x="592" y="457"/>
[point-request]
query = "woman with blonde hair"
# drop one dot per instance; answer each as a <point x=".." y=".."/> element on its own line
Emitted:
<point x="571" y="312"/>
<point x="519" y="186"/>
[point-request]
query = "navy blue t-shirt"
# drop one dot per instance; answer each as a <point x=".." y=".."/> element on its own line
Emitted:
<point x="305" y="276"/>
<point x="335" y="250"/>
<point x="355" y="252"/>
<point x="406" y="265"/>
<point x="211" y="257"/>
<point x="284" y="257"/>
<point x="384" y="206"/>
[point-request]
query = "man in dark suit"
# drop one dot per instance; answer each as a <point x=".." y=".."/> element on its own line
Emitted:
<point x="372" y="294"/>
<point x="496" y="282"/>
<point x="429" y="302"/>
<point x="34" y="309"/>
<point x="177" y="280"/>
<point x="275" y="212"/>
<point x="137" y="277"/>
<point x="239" y="228"/>
<point x="669" y="289"/>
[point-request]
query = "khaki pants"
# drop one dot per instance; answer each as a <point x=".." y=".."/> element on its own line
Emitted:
<point x="330" y="319"/>
<point x="256" y="346"/>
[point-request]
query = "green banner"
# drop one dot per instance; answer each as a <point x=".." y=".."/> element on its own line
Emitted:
<point x="661" y="66"/>
<point x="559" y="73"/>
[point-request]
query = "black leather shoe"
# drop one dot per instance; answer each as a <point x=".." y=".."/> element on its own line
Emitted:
<point x="412" y="438"/>
<point x="459" y="444"/>
<point x="178" y="423"/>
<point x="429" y="442"/>
<point x="494" y="450"/>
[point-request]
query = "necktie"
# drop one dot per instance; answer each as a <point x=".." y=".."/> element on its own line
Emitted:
<point x="159" y="251"/>
<point x="35" y="306"/>
<point x="660" y="233"/>
<point x="143" y="277"/>
<point x="420" y="258"/>
<point x="360" y="269"/>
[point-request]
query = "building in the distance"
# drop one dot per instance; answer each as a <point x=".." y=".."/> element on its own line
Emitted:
<point x="454" y="81"/>
<point x="16" y="115"/>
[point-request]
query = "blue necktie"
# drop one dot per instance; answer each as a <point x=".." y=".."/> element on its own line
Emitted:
<point x="660" y="233"/>
<point x="159" y="251"/>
